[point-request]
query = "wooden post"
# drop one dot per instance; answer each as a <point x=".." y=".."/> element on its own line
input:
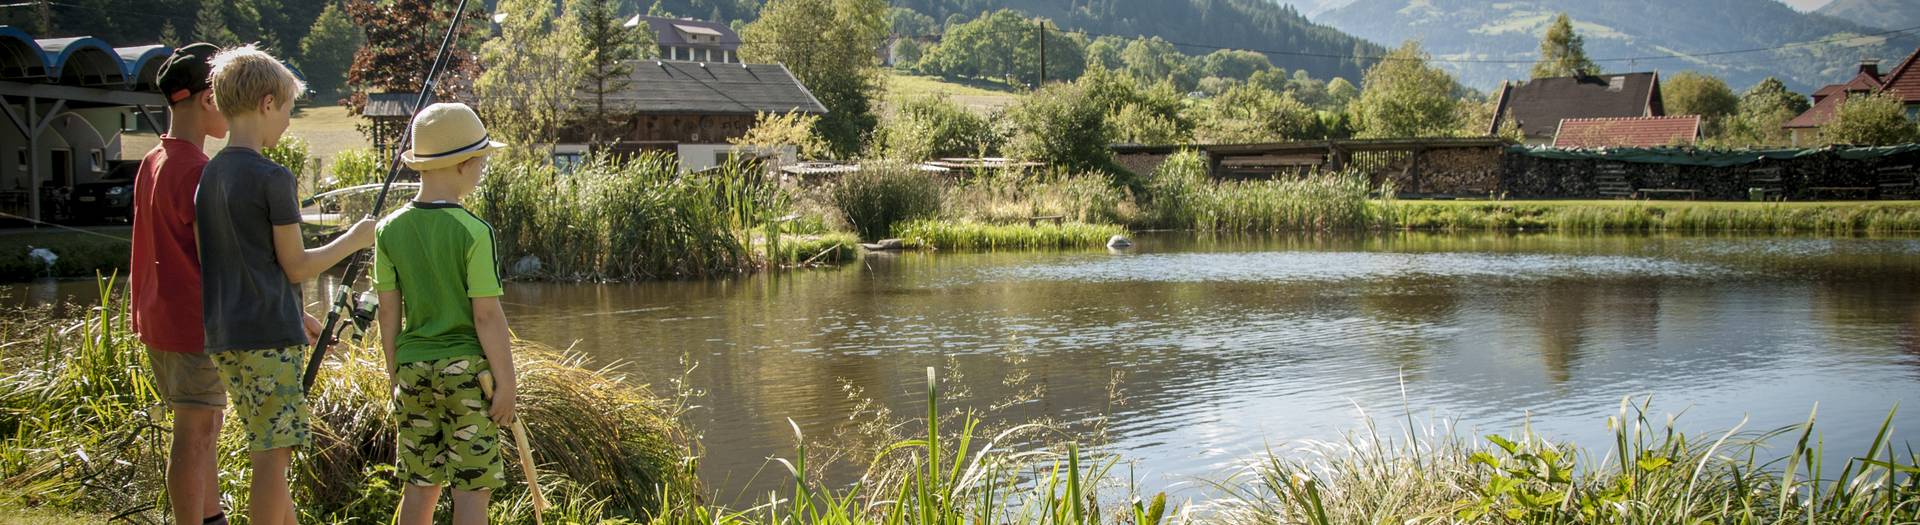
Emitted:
<point x="1043" y="52"/>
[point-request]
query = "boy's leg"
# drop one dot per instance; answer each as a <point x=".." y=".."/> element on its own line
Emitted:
<point x="271" y="499"/>
<point x="474" y="465"/>
<point x="190" y="383"/>
<point x="470" y="507"/>
<point x="265" y="386"/>
<point x="417" y="502"/>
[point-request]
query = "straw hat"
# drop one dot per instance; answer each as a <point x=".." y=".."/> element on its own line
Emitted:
<point x="445" y="134"/>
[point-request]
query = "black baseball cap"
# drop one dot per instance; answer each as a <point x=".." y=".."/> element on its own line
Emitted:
<point x="188" y="71"/>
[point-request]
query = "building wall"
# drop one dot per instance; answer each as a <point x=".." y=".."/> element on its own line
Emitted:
<point x="696" y="157"/>
<point x="91" y="138"/>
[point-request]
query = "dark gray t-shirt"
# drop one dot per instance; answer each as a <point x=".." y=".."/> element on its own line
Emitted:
<point x="246" y="300"/>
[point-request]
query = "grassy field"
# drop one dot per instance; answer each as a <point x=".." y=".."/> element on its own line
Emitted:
<point x="328" y="129"/>
<point x="980" y="97"/>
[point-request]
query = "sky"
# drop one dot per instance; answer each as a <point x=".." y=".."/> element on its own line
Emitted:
<point x="1806" y="5"/>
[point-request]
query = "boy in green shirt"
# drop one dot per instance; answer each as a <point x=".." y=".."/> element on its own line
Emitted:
<point x="434" y="264"/>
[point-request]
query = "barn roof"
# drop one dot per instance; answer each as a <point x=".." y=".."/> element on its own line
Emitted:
<point x="672" y="87"/>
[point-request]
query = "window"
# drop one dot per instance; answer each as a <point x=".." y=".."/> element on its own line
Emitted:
<point x="99" y="159"/>
<point x="1913" y="112"/>
<point x="22" y="159"/>
<point x="566" y="157"/>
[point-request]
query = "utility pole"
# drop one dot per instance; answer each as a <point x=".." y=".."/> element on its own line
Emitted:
<point x="1043" y="51"/>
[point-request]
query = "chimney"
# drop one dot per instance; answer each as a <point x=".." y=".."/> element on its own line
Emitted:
<point x="1870" y="66"/>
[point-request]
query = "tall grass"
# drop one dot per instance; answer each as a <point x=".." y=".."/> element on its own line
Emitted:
<point x="1645" y="216"/>
<point x="1183" y="196"/>
<point x="1012" y="198"/>
<point x="964" y="235"/>
<point x="82" y="427"/>
<point x="882" y="194"/>
<point x="1651" y="473"/>
<point x="628" y="218"/>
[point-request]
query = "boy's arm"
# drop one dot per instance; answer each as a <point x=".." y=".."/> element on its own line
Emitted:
<point x="497" y="342"/>
<point x="389" y="316"/>
<point x="302" y="264"/>
<point x="290" y="249"/>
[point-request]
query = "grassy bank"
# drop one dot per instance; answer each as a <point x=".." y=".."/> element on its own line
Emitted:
<point x="82" y="428"/>
<point x="79" y="437"/>
<point x="77" y="254"/>
<point x="962" y="235"/>
<point x="1842" y="217"/>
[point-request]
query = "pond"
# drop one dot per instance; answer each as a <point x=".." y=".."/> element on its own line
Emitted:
<point x="1200" y="352"/>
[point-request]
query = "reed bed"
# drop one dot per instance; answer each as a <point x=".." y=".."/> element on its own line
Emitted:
<point x="966" y="235"/>
<point x="82" y="427"/>
<point x="628" y="218"/>
<point x="1013" y="197"/>
<point x="1183" y="197"/>
<point x="1662" y="216"/>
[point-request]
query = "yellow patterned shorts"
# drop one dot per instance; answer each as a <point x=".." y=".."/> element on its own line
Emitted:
<point x="445" y="437"/>
<point x="265" y="389"/>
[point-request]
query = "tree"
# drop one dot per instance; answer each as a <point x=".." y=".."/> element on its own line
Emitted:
<point x="1006" y="45"/>
<point x="526" y="93"/>
<point x="773" y="131"/>
<point x="210" y="25"/>
<point x="1405" y="97"/>
<point x="1063" y="125"/>
<point x="906" y="22"/>
<point x="328" y="50"/>
<point x="1249" y="114"/>
<point x="1870" y="120"/>
<point x="1233" y="63"/>
<point x="842" y="71"/>
<point x="609" y="50"/>
<point x="169" y="36"/>
<point x="1105" y="50"/>
<point x="1340" y="92"/>
<point x="1562" y="53"/>
<point x="1153" y="59"/>
<point x="1692" y="93"/>
<point x="1763" y="110"/>
<point x="402" y="37"/>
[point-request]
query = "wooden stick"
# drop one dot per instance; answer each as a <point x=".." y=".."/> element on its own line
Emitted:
<point x="526" y="453"/>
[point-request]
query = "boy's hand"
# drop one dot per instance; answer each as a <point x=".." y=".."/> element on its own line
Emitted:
<point x="312" y="324"/>
<point x="360" y="236"/>
<point x="501" y="410"/>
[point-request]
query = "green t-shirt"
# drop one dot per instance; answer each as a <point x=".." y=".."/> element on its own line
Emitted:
<point x="439" y="256"/>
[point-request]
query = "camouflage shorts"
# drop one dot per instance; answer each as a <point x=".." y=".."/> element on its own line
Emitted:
<point x="445" y="437"/>
<point x="265" y="389"/>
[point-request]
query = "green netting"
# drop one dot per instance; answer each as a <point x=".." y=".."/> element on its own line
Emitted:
<point x="1708" y="157"/>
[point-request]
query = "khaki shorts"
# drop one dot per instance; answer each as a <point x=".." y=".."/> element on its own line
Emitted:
<point x="188" y="378"/>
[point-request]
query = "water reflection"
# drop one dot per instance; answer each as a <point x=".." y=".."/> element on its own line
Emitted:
<point x="1232" y="344"/>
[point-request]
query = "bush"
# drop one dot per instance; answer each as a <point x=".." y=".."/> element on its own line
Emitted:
<point x="1063" y="125"/>
<point x="884" y="193"/>
<point x="292" y="152"/>
<point x="631" y="218"/>
<point x="934" y="127"/>
<point x="355" y="167"/>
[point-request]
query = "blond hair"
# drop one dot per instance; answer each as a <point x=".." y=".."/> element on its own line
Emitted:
<point x="243" y="75"/>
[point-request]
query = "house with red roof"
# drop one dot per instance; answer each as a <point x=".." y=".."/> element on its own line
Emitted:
<point x="1903" y="81"/>
<point x="1631" y="132"/>
<point x="1536" y="107"/>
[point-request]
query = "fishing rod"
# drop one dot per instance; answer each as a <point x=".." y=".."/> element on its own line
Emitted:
<point x="361" y="311"/>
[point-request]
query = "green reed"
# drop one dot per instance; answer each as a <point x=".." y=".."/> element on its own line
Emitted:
<point x="956" y="235"/>
<point x="1652" y="473"/>
<point x="1662" y="216"/>
<point x="1182" y="196"/>
<point x="628" y="218"/>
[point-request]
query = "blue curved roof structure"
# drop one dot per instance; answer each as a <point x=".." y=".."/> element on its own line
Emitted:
<point x="78" y="61"/>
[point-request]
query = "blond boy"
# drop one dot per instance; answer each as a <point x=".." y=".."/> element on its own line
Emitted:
<point x="441" y="325"/>
<point x="253" y="260"/>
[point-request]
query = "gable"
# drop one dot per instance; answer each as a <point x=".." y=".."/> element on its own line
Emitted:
<point x="1539" y="105"/>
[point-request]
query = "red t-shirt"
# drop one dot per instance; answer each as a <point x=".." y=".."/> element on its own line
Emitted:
<point x="166" y="262"/>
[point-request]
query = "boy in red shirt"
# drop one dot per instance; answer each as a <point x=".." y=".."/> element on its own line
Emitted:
<point x="165" y="284"/>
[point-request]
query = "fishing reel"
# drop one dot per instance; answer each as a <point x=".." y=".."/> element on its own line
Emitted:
<point x="359" y="311"/>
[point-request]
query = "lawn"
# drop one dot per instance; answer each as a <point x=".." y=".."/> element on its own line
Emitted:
<point x="978" y="96"/>
<point x="327" y="128"/>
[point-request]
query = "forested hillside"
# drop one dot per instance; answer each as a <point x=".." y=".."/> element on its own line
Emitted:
<point x="1812" y="50"/>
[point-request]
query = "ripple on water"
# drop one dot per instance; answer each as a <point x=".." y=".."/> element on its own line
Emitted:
<point x="1343" y="266"/>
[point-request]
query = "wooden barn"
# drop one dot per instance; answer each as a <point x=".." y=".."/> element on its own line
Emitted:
<point x="690" y="109"/>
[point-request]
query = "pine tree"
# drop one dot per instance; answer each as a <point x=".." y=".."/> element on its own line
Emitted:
<point x="610" y="50"/>
<point x="168" y="36"/>
<point x="1562" y="53"/>
<point x="328" y="49"/>
<point x="210" y="25"/>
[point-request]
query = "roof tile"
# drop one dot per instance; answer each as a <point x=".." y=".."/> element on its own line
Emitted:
<point x="1627" y="132"/>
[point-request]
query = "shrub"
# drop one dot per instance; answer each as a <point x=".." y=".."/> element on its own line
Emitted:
<point x="292" y="152"/>
<point x="884" y="193"/>
<point x="934" y="127"/>
<point x="355" y="167"/>
<point x="1063" y="125"/>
